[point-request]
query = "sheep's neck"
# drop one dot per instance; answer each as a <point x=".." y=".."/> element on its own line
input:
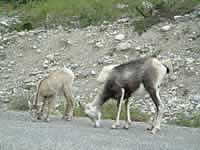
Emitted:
<point x="98" y="102"/>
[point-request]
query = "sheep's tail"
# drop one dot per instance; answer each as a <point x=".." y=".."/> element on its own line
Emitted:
<point x="168" y="70"/>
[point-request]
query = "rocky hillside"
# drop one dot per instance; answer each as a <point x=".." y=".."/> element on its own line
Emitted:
<point x="28" y="56"/>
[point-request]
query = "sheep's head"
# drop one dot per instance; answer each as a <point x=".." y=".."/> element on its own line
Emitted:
<point x="93" y="113"/>
<point x="34" y="111"/>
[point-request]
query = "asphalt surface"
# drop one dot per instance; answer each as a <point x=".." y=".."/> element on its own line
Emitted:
<point x="18" y="132"/>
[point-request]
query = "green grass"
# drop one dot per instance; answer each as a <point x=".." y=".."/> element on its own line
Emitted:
<point x="20" y="102"/>
<point x="109" y="111"/>
<point x="182" y="120"/>
<point x="93" y="12"/>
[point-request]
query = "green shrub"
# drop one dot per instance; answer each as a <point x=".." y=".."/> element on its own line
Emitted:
<point x="20" y="102"/>
<point x="110" y="112"/>
<point x="92" y="12"/>
<point x="189" y="121"/>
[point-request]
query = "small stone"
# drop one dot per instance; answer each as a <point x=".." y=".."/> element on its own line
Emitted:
<point x="121" y="6"/>
<point x="178" y="17"/>
<point x="6" y="77"/>
<point x="138" y="48"/>
<point x="50" y="57"/>
<point x="4" y="23"/>
<point x="195" y="99"/>
<point x="1" y="47"/>
<point x="173" y="77"/>
<point x="123" y="20"/>
<point x="123" y="46"/>
<point x="6" y="100"/>
<point x="39" y="37"/>
<point x="166" y="28"/>
<point x="12" y="62"/>
<point x="20" y="55"/>
<point x="181" y="85"/>
<point x="99" y="45"/>
<point x="120" y="37"/>
<point x="45" y="64"/>
<point x="34" y="47"/>
<point x="21" y="33"/>
<point x="38" y="50"/>
<point x="93" y="72"/>
<point x="190" y="60"/>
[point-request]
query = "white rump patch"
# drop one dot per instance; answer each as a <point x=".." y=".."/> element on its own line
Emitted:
<point x="141" y="90"/>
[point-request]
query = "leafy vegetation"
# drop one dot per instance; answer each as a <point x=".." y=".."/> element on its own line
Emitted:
<point x="20" y="102"/>
<point x="92" y="12"/>
<point x="188" y="121"/>
<point x="110" y="111"/>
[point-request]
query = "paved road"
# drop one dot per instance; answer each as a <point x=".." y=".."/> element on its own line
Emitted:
<point x="17" y="132"/>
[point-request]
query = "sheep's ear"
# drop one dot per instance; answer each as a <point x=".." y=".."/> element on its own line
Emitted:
<point x="29" y="105"/>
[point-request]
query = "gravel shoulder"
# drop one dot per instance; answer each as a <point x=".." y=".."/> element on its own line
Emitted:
<point x="17" y="132"/>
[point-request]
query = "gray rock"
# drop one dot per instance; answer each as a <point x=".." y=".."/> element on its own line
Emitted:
<point x="3" y="56"/>
<point x="166" y="28"/>
<point x="50" y="57"/>
<point x="38" y="50"/>
<point x="34" y="47"/>
<point x="120" y="37"/>
<point x="99" y="44"/>
<point x="93" y="72"/>
<point x="123" y="46"/>
<point x="195" y="99"/>
<point x="21" y="33"/>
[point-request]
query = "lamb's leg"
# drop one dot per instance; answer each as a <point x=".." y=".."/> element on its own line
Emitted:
<point x="49" y="101"/>
<point x="117" y="124"/>
<point x="128" y="118"/>
<point x="69" y="105"/>
<point x="40" y="114"/>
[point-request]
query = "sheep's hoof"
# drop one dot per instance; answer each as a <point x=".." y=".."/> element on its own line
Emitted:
<point x="97" y="125"/>
<point x="154" y="131"/>
<point x="126" y="126"/>
<point x="116" y="126"/>
<point x="67" y="118"/>
<point x="46" y="120"/>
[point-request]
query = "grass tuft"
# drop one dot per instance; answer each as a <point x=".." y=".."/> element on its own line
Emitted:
<point x="20" y="102"/>
<point x="93" y="12"/>
<point x="188" y="121"/>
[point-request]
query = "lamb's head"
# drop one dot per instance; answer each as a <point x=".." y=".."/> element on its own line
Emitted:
<point x="93" y="113"/>
<point x="34" y="111"/>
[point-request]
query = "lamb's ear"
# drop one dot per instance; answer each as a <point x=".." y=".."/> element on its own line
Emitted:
<point x="30" y="105"/>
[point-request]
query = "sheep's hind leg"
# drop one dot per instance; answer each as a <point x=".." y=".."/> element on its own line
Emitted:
<point x="69" y="105"/>
<point x="159" y="110"/>
<point x="117" y="123"/>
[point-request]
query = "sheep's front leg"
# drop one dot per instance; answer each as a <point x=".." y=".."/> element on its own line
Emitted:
<point x="49" y="101"/>
<point x="128" y="117"/>
<point x="117" y="123"/>
<point x="40" y="113"/>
